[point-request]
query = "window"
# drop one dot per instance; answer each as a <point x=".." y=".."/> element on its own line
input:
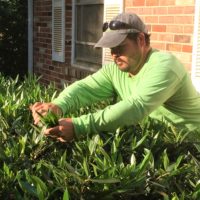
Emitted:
<point x="87" y="21"/>
<point x="196" y="48"/>
<point x="88" y="17"/>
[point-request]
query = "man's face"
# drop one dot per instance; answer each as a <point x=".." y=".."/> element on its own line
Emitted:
<point x="128" y="55"/>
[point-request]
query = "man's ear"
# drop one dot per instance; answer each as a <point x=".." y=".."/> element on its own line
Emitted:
<point x="141" y="39"/>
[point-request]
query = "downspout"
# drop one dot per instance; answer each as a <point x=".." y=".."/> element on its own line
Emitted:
<point x="30" y="37"/>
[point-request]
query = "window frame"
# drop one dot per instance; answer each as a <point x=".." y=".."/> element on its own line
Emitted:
<point x="196" y="48"/>
<point x="73" y="59"/>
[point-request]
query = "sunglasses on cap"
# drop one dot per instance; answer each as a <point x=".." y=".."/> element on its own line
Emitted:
<point x="115" y="25"/>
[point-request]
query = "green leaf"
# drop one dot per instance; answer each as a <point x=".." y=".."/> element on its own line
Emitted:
<point x="178" y="161"/>
<point x="93" y="144"/>
<point x="144" y="163"/>
<point x="40" y="185"/>
<point x="133" y="160"/>
<point x="165" y="159"/>
<point x="50" y="119"/>
<point x="141" y="141"/>
<point x="95" y="168"/>
<point x="104" y="181"/>
<point x="85" y="166"/>
<point x="28" y="188"/>
<point x="8" y="171"/>
<point x="66" y="195"/>
<point x="106" y="156"/>
<point x="62" y="160"/>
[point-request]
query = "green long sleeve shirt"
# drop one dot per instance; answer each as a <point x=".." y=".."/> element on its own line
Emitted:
<point x="161" y="89"/>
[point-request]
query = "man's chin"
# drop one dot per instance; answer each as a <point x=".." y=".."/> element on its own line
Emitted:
<point x="123" y="68"/>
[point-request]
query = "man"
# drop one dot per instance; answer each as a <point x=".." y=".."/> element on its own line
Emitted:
<point x="147" y="82"/>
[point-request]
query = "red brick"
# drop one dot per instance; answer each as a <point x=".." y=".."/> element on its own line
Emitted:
<point x="152" y="2"/>
<point x="151" y="19"/>
<point x="166" y="2"/>
<point x="131" y="3"/>
<point x="159" y="10"/>
<point x="174" y="29"/>
<point x="154" y="36"/>
<point x="189" y="10"/>
<point x="48" y="62"/>
<point x="182" y="38"/>
<point x="176" y="10"/>
<point x="184" y="20"/>
<point x="166" y="19"/>
<point x="188" y="29"/>
<point x="187" y="48"/>
<point x="174" y="47"/>
<point x="166" y="37"/>
<point x="158" y="45"/>
<point x="159" y="28"/>
<point x="145" y="11"/>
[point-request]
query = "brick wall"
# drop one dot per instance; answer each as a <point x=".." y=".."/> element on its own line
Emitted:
<point x="52" y="71"/>
<point x="169" y="21"/>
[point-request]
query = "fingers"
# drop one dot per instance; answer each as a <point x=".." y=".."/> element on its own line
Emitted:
<point x="64" y="132"/>
<point x="53" y="132"/>
<point x="40" y="108"/>
<point x="36" y="108"/>
<point x="35" y="105"/>
<point x="56" y="133"/>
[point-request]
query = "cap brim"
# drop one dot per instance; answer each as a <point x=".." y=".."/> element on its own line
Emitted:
<point x="111" y="39"/>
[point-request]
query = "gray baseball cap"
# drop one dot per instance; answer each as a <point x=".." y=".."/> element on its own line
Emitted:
<point x="117" y="32"/>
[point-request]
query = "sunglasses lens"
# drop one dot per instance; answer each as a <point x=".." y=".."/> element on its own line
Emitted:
<point x="105" y="26"/>
<point x="114" y="25"/>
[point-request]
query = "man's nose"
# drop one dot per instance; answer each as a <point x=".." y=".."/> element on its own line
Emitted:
<point x="115" y="55"/>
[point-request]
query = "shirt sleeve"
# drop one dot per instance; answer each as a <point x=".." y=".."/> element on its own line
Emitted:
<point x="92" y="89"/>
<point x="152" y="91"/>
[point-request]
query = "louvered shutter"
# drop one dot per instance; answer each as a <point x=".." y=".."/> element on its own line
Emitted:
<point x="58" y="30"/>
<point x="196" y="48"/>
<point x="111" y="9"/>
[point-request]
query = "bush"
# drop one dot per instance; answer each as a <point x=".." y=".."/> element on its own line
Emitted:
<point x="148" y="161"/>
<point x="13" y="37"/>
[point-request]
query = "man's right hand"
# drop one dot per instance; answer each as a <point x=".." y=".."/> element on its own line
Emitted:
<point x="43" y="108"/>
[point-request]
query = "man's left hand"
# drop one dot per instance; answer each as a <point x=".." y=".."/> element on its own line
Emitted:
<point x="64" y="132"/>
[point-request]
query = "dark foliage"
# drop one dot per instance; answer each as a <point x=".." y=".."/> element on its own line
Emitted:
<point x="13" y="37"/>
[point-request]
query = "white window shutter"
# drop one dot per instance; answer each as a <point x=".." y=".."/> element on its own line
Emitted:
<point x="196" y="48"/>
<point x="111" y="9"/>
<point x="58" y="30"/>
